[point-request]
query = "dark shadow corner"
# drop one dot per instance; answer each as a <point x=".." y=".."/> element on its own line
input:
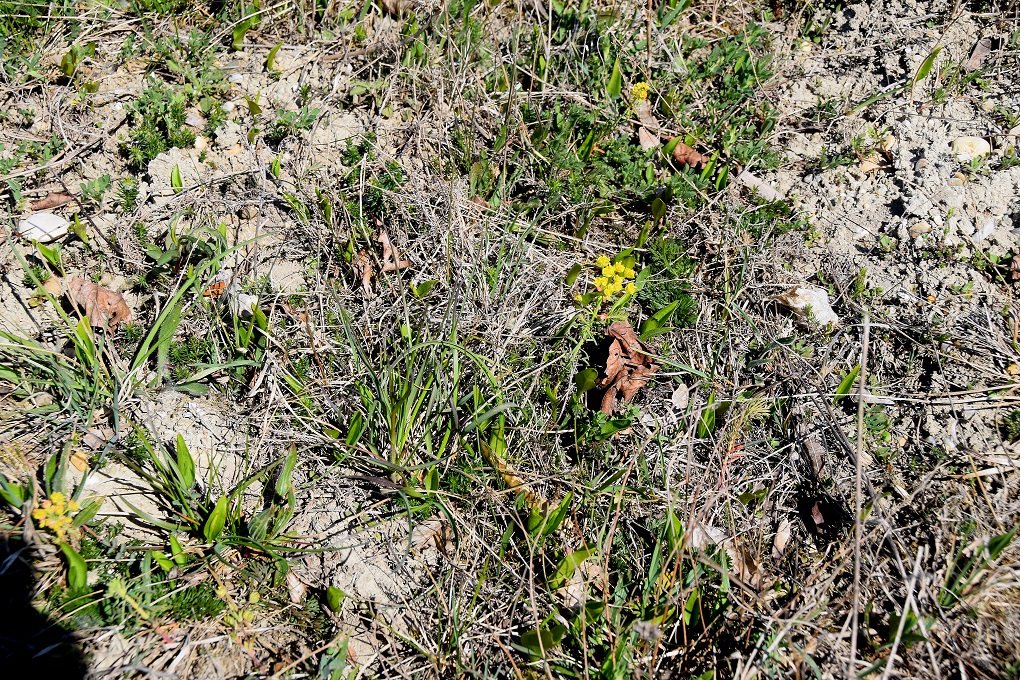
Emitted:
<point x="29" y="641"/>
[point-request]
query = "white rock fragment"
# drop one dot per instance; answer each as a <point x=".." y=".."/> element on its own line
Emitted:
<point x="236" y="78"/>
<point x="242" y="305"/>
<point x="43" y="227"/>
<point x="969" y="148"/>
<point x="810" y="304"/>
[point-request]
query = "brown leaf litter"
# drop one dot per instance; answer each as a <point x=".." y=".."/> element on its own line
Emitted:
<point x="364" y="269"/>
<point x="54" y="199"/>
<point x="628" y="367"/>
<point x="101" y="306"/>
<point x="686" y="155"/>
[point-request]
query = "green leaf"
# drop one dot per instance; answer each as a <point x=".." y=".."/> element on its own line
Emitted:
<point x="432" y="480"/>
<point x="78" y="229"/>
<point x="177" y="551"/>
<point x="239" y="31"/>
<point x="11" y="492"/>
<point x="654" y="324"/>
<point x="720" y="181"/>
<point x="585" y="380"/>
<point x="253" y="105"/>
<point x="643" y="236"/>
<point x="557" y="516"/>
<point x="999" y="543"/>
<point x="544" y="639"/>
<point x="572" y="275"/>
<point x="217" y="519"/>
<point x="252" y="134"/>
<point x="658" y="209"/>
<point x="87" y="512"/>
<point x="77" y="571"/>
<point x="925" y="68"/>
<point x="51" y="255"/>
<point x="164" y="564"/>
<point x="670" y="147"/>
<point x="185" y="464"/>
<point x="615" y="85"/>
<point x="423" y="288"/>
<point x="271" y="58"/>
<point x="568" y="565"/>
<point x="175" y="179"/>
<point x="283" y="483"/>
<point x="847" y="384"/>
<point x="335" y="599"/>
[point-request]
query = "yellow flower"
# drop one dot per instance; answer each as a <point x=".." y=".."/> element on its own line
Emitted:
<point x="608" y="271"/>
<point x="602" y="261"/>
<point x="631" y="289"/>
<point x="617" y="279"/>
<point x="619" y="268"/>
<point x="629" y="273"/>
<point x="639" y="92"/>
<point x="57" y="497"/>
<point x="600" y="282"/>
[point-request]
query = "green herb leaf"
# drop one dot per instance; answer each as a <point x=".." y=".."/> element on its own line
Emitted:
<point x="271" y="58"/>
<point x="217" y="519"/>
<point x="77" y="570"/>
<point x="615" y="86"/>
<point x="185" y="464"/>
<point x="175" y="179"/>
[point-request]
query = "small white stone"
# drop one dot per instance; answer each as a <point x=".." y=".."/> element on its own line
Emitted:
<point x="43" y="227"/>
<point x="236" y="78"/>
<point x="969" y="148"/>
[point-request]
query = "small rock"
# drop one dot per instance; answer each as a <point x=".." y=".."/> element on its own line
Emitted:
<point x="201" y="143"/>
<point x="918" y="229"/>
<point x="680" y="398"/>
<point x="957" y="180"/>
<point x="43" y="227"/>
<point x="921" y="164"/>
<point x="985" y="230"/>
<point x="236" y="78"/>
<point x="810" y="304"/>
<point x="248" y="212"/>
<point x="227" y="107"/>
<point x="888" y="143"/>
<point x="194" y="120"/>
<point x="969" y="148"/>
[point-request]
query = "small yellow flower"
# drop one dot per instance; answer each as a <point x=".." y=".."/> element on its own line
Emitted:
<point x="639" y="92"/>
<point x="631" y="289"/>
<point x="608" y="271"/>
<point x="600" y="282"/>
<point x="578" y="297"/>
<point x="57" y="497"/>
<point x="619" y="268"/>
<point x="602" y="261"/>
<point x="617" y="279"/>
<point x="629" y="273"/>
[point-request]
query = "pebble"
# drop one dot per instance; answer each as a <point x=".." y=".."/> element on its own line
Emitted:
<point x="969" y="148"/>
<point x="921" y="164"/>
<point x="194" y="120"/>
<point x="227" y="107"/>
<point x="957" y="180"/>
<point x="919" y="228"/>
<point x="236" y="78"/>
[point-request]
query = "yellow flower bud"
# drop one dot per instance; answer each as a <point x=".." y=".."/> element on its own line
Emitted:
<point x="608" y="270"/>
<point x="619" y="268"/>
<point x="631" y="289"/>
<point x="629" y="273"/>
<point x="602" y="261"/>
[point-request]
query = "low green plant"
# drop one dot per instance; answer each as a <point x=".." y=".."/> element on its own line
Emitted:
<point x="158" y="116"/>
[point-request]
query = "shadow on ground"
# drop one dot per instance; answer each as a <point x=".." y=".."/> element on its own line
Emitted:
<point x="29" y="640"/>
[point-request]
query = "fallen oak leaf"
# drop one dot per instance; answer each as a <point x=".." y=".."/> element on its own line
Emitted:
<point x="647" y="140"/>
<point x="101" y="306"/>
<point x="628" y="367"/>
<point x="54" y="199"/>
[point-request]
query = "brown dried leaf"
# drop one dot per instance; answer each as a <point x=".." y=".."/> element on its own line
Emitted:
<point x="54" y="199"/>
<point x="101" y="306"/>
<point x="390" y="262"/>
<point x="362" y="266"/>
<point x="981" y="50"/>
<point x="396" y="7"/>
<point x="647" y="139"/>
<point x="688" y="156"/>
<point x="643" y="111"/>
<point x="628" y="367"/>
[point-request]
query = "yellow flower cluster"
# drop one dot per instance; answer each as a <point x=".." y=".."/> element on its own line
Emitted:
<point x="614" y="278"/>
<point x="55" y="514"/>
<point x="639" y="92"/>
